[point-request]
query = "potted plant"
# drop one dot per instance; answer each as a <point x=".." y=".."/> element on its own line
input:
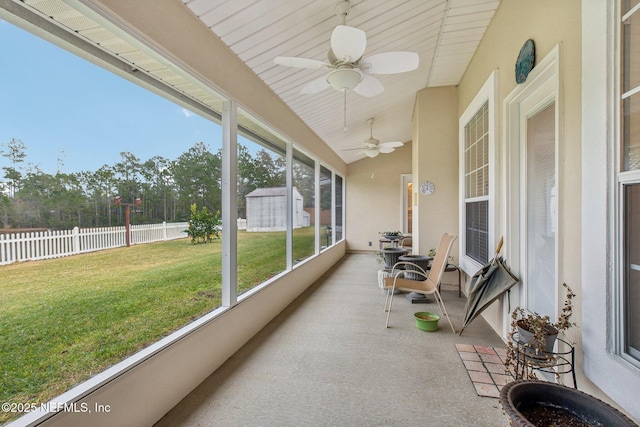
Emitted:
<point x="391" y="235"/>
<point x="326" y="231"/>
<point x="534" y="334"/>
<point x="391" y="253"/>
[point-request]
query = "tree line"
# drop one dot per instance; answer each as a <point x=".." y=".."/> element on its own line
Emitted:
<point x="166" y="189"/>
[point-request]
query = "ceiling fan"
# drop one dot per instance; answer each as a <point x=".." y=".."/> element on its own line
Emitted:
<point x="373" y="147"/>
<point x="349" y="69"/>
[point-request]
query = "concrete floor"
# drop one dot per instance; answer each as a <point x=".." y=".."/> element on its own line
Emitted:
<point x="328" y="360"/>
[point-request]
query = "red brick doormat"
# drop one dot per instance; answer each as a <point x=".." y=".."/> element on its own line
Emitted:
<point x="485" y="366"/>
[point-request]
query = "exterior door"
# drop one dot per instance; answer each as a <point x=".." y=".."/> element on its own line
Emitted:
<point x="539" y="220"/>
<point x="533" y="137"/>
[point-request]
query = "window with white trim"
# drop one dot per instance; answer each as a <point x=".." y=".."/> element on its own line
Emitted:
<point x="477" y="136"/>
<point x="628" y="177"/>
<point x="339" y="208"/>
<point x="476" y="177"/>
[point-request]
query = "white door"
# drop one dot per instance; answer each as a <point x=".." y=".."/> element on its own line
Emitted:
<point x="532" y="117"/>
<point x="540" y="212"/>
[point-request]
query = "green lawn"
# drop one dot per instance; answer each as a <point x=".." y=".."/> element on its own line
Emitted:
<point x="67" y="319"/>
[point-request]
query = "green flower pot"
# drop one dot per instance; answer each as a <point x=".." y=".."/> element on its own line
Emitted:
<point x="426" y="321"/>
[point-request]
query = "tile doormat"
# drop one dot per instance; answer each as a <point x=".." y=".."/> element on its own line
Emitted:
<point x="485" y="366"/>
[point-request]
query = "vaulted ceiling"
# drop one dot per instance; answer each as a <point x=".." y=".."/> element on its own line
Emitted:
<point x="445" y="34"/>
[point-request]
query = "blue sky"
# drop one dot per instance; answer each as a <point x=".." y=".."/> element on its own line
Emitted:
<point x="62" y="106"/>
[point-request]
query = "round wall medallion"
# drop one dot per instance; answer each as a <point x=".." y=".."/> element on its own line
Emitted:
<point x="427" y="187"/>
<point x="525" y="61"/>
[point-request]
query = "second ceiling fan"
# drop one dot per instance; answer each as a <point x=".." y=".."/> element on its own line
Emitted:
<point x="349" y="69"/>
<point x="373" y="147"/>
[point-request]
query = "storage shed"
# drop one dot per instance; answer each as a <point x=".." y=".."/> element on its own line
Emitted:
<point x="267" y="208"/>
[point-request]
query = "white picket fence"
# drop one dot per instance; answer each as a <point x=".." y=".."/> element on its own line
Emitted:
<point x="58" y="243"/>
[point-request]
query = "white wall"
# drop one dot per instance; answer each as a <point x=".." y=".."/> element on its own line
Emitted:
<point x="267" y="213"/>
<point x="617" y="378"/>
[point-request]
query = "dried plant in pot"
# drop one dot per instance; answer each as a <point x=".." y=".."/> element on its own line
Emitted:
<point x="391" y="235"/>
<point x="535" y="334"/>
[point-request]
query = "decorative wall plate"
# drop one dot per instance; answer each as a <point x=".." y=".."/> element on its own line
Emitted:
<point x="427" y="187"/>
<point x="525" y="61"/>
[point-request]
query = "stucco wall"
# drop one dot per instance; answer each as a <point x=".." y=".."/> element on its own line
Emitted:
<point x="373" y="197"/>
<point x="435" y="159"/>
<point x="548" y="23"/>
<point x="374" y="185"/>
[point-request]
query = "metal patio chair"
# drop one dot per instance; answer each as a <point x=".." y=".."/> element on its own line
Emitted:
<point x="428" y="286"/>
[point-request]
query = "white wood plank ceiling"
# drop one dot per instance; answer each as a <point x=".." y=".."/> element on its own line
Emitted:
<point x="445" y="34"/>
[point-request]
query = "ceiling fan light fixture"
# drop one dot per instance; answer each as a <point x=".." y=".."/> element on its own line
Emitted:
<point x="344" y="79"/>
<point x="371" y="152"/>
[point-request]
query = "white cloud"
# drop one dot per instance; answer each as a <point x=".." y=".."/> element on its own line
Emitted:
<point x="186" y="112"/>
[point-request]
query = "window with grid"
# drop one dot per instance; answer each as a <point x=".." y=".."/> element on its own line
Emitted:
<point x="629" y="180"/>
<point x="476" y="185"/>
<point x="338" y="212"/>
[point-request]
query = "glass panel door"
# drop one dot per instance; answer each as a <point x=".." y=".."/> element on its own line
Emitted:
<point x="629" y="179"/>
<point x="632" y="269"/>
<point x="541" y="225"/>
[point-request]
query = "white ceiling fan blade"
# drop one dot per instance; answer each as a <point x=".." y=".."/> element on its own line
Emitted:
<point x="392" y="144"/>
<point x="352" y="149"/>
<point x="385" y="149"/>
<point x="315" y="86"/>
<point x="369" y="86"/>
<point x="390" y="63"/>
<point x="292" y="61"/>
<point x="348" y="43"/>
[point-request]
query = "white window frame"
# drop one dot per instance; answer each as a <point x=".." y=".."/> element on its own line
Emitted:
<point x="600" y="96"/>
<point x="488" y="93"/>
<point x="624" y="179"/>
<point x="334" y="205"/>
<point x="621" y="179"/>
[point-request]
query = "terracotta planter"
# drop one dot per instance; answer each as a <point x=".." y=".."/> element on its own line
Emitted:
<point x="528" y="401"/>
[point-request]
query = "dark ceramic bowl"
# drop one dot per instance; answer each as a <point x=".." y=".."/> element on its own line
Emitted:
<point x="522" y="395"/>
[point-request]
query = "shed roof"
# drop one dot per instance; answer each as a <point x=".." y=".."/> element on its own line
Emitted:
<point x="271" y="192"/>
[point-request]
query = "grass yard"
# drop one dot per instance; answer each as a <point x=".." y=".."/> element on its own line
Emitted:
<point x="67" y="319"/>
